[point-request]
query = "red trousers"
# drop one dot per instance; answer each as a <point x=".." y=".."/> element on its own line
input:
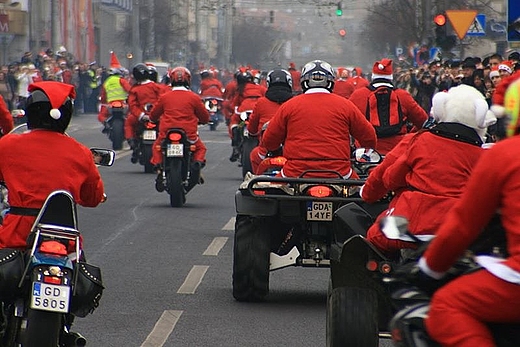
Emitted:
<point x="198" y="155"/>
<point x="460" y="308"/>
<point x="256" y="156"/>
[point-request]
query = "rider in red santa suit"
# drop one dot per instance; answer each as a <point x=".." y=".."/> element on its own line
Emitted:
<point x="295" y="75"/>
<point x="430" y="176"/>
<point x="356" y="79"/>
<point x="460" y="310"/>
<point x="210" y="85"/>
<point x="6" y="120"/>
<point x="279" y="90"/>
<point x="413" y="113"/>
<point x="245" y="99"/>
<point x="315" y="127"/>
<point x="43" y="160"/>
<point x="179" y="108"/>
<point x="143" y="92"/>
<point x="342" y="86"/>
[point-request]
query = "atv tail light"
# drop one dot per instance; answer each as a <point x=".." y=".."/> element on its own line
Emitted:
<point x="372" y="265"/>
<point x="51" y="280"/>
<point x="320" y="191"/>
<point x="259" y="192"/>
<point x="277" y="161"/>
<point x="53" y="247"/>
<point x="175" y="137"/>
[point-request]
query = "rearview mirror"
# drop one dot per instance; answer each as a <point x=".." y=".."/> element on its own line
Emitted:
<point x="103" y="157"/>
<point x="368" y="156"/>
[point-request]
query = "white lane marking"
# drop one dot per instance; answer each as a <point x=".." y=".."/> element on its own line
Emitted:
<point x="215" y="246"/>
<point x="123" y="153"/>
<point x="230" y="225"/>
<point x="193" y="279"/>
<point x="162" y="329"/>
<point x="218" y="141"/>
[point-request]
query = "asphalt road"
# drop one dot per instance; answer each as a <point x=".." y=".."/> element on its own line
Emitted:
<point x="167" y="271"/>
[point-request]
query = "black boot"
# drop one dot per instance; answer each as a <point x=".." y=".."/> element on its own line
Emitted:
<point x="195" y="175"/>
<point x="160" y="185"/>
<point x="234" y="155"/>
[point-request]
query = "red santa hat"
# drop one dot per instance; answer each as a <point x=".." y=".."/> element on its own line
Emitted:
<point x="114" y="62"/>
<point x="383" y="69"/>
<point x="57" y="93"/>
<point x="506" y="65"/>
<point x="494" y="72"/>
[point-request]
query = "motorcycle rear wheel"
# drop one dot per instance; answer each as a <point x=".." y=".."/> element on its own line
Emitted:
<point x="175" y="186"/>
<point x="43" y="329"/>
<point x="147" y="155"/>
<point x="117" y="134"/>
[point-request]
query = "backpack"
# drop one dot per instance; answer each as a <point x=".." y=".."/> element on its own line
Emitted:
<point x="384" y="111"/>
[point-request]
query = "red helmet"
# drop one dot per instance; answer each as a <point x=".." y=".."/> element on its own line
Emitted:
<point x="180" y="76"/>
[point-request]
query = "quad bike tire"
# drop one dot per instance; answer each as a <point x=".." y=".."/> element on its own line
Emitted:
<point x="251" y="253"/>
<point x="174" y="184"/>
<point x="43" y="329"/>
<point x="147" y="155"/>
<point x="117" y="134"/>
<point x="352" y="318"/>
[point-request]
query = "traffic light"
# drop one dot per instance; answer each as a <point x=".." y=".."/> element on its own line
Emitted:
<point x="442" y="39"/>
<point x="339" y="10"/>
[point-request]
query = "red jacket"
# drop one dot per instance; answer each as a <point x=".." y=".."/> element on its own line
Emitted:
<point x="343" y="88"/>
<point x="211" y="87"/>
<point x="432" y="174"/>
<point x="412" y="113"/>
<point x="247" y="99"/>
<point x="142" y="94"/>
<point x="179" y="108"/>
<point x="489" y="189"/>
<point x="32" y="172"/>
<point x="358" y="82"/>
<point x="264" y="110"/>
<point x="315" y="129"/>
<point x="6" y="120"/>
<point x="296" y="75"/>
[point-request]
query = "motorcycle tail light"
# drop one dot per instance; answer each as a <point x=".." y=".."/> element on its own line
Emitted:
<point x="116" y="104"/>
<point x="51" y="280"/>
<point x="193" y="148"/>
<point x="175" y="137"/>
<point x="150" y="125"/>
<point x="214" y="102"/>
<point x="320" y="191"/>
<point x="396" y="335"/>
<point x="277" y="161"/>
<point x="385" y="268"/>
<point x="372" y="265"/>
<point x="53" y="247"/>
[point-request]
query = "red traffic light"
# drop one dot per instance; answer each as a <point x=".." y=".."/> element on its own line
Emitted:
<point x="439" y="19"/>
<point x="342" y="32"/>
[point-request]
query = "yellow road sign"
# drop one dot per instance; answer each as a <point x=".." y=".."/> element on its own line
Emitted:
<point x="461" y="20"/>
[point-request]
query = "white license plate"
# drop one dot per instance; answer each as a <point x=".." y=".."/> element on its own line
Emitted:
<point x="50" y="297"/>
<point x="149" y="135"/>
<point x="319" y="211"/>
<point x="175" y="150"/>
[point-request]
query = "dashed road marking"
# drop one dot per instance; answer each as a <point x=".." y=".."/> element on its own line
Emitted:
<point x="193" y="279"/>
<point x="230" y="225"/>
<point x="215" y="246"/>
<point x="162" y="329"/>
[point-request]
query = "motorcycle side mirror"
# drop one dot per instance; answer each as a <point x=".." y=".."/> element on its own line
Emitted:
<point x="394" y="227"/>
<point x="367" y="156"/>
<point x="103" y="157"/>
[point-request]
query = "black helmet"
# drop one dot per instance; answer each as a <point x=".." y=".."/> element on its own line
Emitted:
<point x="50" y="105"/>
<point x="205" y="74"/>
<point x="279" y="76"/>
<point x="244" y="77"/>
<point x="152" y="73"/>
<point x="317" y="74"/>
<point x="140" y="72"/>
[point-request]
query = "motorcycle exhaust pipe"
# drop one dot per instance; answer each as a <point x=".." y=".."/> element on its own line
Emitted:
<point x="74" y="339"/>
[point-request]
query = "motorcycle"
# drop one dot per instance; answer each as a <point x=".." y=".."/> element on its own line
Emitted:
<point x="213" y="105"/>
<point x="116" y="123"/>
<point x="246" y="143"/>
<point x="147" y="134"/>
<point x="412" y="295"/>
<point x="179" y="173"/>
<point x="50" y="283"/>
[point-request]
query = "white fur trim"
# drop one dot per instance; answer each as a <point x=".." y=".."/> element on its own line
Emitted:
<point x="55" y="113"/>
<point x="388" y="77"/>
<point x="426" y="269"/>
<point x="438" y="106"/>
<point x="483" y="116"/>
<point x="498" y="110"/>
<point x="505" y="68"/>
